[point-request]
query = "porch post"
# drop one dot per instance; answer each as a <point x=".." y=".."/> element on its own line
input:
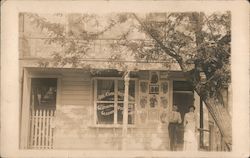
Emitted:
<point x="125" y="112"/>
<point x="201" y="124"/>
<point x="25" y="111"/>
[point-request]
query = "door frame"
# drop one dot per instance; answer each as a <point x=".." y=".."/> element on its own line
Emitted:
<point x="25" y="104"/>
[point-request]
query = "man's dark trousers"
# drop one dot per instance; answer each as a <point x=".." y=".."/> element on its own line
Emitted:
<point x="172" y="131"/>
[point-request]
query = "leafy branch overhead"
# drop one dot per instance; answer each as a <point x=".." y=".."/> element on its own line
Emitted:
<point x="199" y="42"/>
<point x="196" y="41"/>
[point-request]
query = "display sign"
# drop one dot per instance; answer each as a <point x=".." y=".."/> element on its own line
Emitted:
<point x="143" y="101"/>
<point x="153" y="89"/>
<point x="164" y="87"/>
<point x="164" y="102"/>
<point x="153" y="102"/>
<point x="154" y="77"/>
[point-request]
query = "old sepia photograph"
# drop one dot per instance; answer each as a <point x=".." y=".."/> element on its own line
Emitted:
<point x="158" y="81"/>
<point x="81" y="74"/>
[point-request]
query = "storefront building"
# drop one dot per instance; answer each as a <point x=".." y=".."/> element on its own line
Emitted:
<point x="102" y="107"/>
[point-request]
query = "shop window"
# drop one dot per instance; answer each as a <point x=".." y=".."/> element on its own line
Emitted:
<point x="43" y="93"/>
<point x="110" y="101"/>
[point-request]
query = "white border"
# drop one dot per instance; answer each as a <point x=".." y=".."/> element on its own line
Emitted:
<point x="10" y="75"/>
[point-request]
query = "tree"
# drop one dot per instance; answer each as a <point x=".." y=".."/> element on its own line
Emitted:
<point x="198" y="42"/>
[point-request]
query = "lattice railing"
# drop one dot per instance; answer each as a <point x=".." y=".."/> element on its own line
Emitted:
<point x="41" y="129"/>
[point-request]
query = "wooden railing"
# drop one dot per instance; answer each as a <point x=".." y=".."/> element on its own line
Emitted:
<point x="41" y="129"/>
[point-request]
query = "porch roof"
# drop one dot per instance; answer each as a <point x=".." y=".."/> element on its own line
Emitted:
<point x="103" y="64"/>
<point x="94" y="72"/>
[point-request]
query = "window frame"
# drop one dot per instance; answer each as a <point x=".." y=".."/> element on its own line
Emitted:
<point x="115" y="123"/>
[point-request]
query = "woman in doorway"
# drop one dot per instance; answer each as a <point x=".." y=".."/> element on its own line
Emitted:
<point x="190" y="141"/>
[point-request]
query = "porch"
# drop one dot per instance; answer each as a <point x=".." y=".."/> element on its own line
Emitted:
<point x="81" y="114"/>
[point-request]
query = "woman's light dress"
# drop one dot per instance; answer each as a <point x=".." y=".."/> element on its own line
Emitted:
<point x="190" y="141"/>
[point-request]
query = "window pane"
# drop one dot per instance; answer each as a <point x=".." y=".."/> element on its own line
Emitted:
<point x="131" y="107"/>
<point x="121" y="90"/>
<point x="131" y="90"/>
<point x="43" y="93"/>
<point x="105" y="113"/>
<point x="105" y="90"/>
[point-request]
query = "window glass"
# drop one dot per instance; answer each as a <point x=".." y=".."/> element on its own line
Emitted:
<point x="105" y="113"/>
<point x="131" y="90"/>
<point x="110" y="104"/>
<point x="121" y="88"/>
<point x="131" y="107"/>
<point x="105" y="90"/>
<point x="43" y="93"/>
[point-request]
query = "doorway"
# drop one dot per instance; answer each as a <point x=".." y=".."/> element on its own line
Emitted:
<point x="43" y="105"/>
<point x="183" y="97"/>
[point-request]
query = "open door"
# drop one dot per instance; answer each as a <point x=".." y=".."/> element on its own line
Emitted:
<point x="183" y="97"/>
<point x="43" y="105"/>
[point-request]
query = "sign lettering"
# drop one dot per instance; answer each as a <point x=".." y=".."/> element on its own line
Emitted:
<point x="103" y="108"/>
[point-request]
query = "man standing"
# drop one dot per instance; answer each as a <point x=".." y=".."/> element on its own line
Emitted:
<point x="174" y="120"/>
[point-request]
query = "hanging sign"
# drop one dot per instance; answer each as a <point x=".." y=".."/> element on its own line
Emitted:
<point x="153" y="101"/>
<point x="154" y="77"/>
<point x="164" y="87"/>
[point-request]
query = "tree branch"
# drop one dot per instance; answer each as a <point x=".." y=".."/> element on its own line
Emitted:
<point x="168" y="51"/>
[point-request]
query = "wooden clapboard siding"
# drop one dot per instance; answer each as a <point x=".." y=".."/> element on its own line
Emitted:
<point x="75" y="129"/>
<point x="76" y="90"/>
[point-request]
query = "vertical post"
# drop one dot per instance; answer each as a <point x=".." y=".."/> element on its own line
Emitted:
<point x="47" y="129"/>
<point x="43" y="129"/>
<point x="201" y="124"/>
<point x="25" y="115"/>
<point x="197" y="101"/>
<point x="95" y="98"/>
<point x="125" y="112"/>
<point x="36" y="128"/>
<point x="211" y="137"/>
<point x="116" y="102"/>
<point x="39" y="128"/>
<point x="171" y="95"/>
<point x="58" y="92"/>
<point x="51" y="129"/>
<point x="31" y="137"/>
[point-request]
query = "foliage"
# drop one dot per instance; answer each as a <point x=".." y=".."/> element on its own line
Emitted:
<point x="199" y="42"/>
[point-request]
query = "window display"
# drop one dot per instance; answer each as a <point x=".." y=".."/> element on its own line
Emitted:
<point x="110" y="101"/>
